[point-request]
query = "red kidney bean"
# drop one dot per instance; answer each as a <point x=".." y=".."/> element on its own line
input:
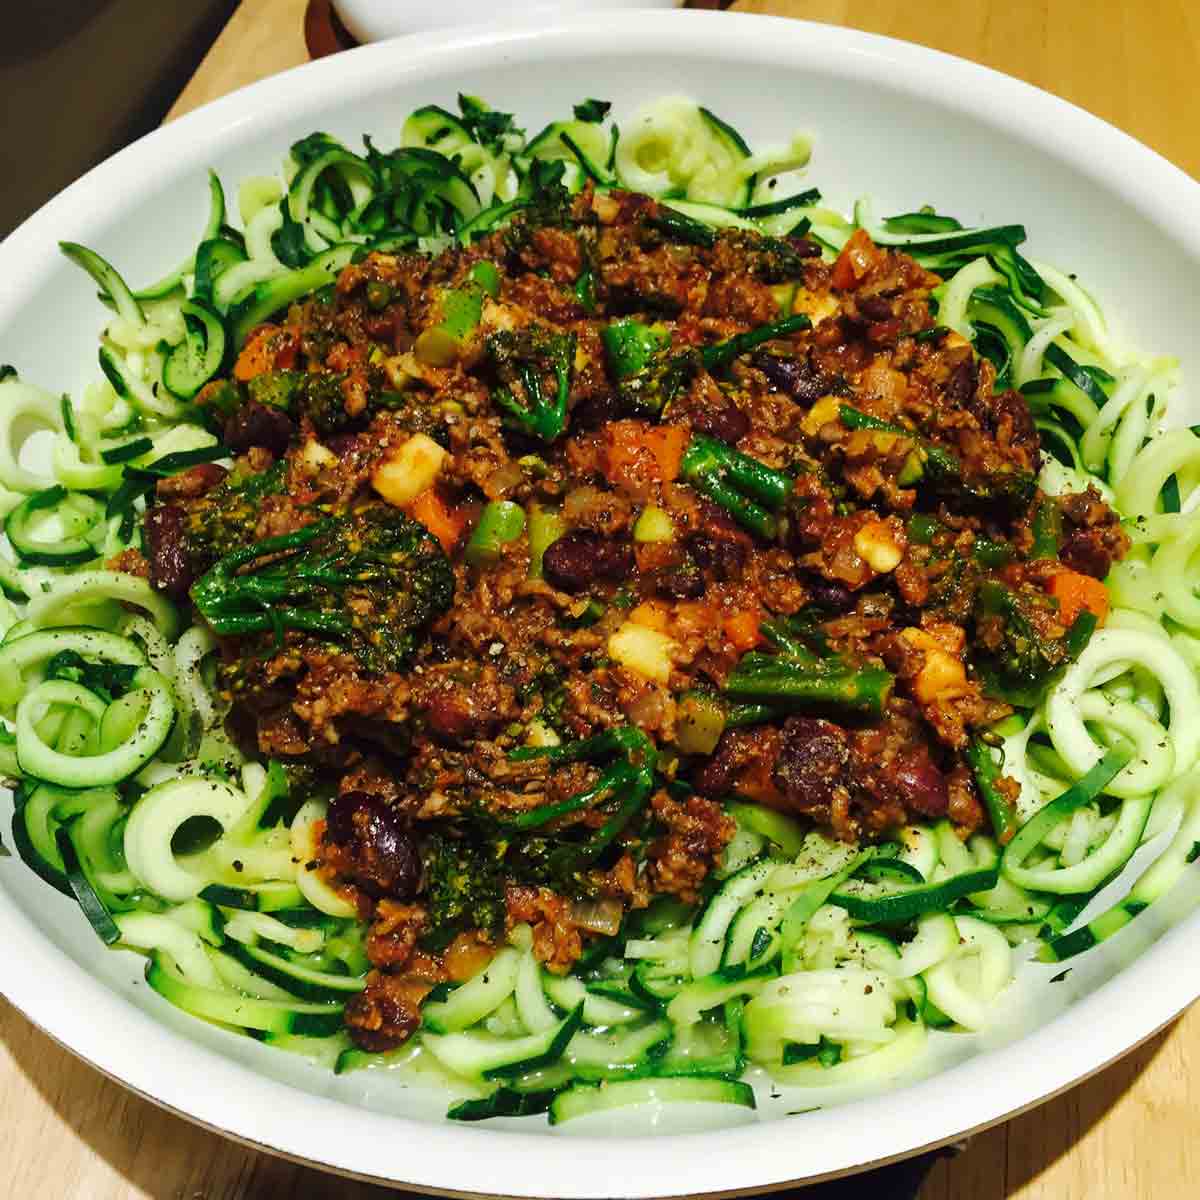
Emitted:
<point x="580" y="558"/>
<point x="171" y="569"/>
<point x="812" y="762"/>
<point x="919" y="783"/>
<point x="726" y="422"/>
<point x="384" y="855"/>
<point x="255" y="424"/>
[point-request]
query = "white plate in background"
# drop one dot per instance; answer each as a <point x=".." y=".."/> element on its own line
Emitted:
<point x="907" y="124"/>
<point x="374" y="20"/>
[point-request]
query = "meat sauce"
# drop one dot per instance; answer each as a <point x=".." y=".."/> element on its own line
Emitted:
<point x="879" y="559"/>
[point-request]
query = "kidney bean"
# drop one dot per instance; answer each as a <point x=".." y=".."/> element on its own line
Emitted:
<point x="812" y="762"/>
<point x="960" y="387"/>
<point x="580" y="558"/>
<point x="726" y="422"/>
<point x="876" y="308"/>
<point x="684" y="582"/>
<point x="597" y="410"/>
<point x="255" y="424"/>
<point x="919" y="783"/>
<point x="828" y="594"/>
<point x="383" y="857"/>
<point x="171" y="569"/>
<point x="804" y="247"/>
<point x="796" y="377"/>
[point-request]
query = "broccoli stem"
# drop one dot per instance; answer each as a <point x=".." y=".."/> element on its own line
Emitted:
<point x="501" y="522"/>
<point x="633" y="774"/>
<point x="722" y="353"/>
<point x="542" y="418"/>
<point x="545" y="528"/>
<point x="612" y="780"/>
<point x="736" y="482"/>
<point x="574" y="857"/>
<point x="786" y="683"/>
<point x="631" y="346"/>
<point x="624" y="741"/>
<point x="1047" y="530"/>
<point x="941" y="462"/>
<point x="681" y="228"/>
<point x="987" y="778"/>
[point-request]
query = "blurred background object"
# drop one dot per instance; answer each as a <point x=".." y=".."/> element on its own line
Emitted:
<point x="373" y="20"/>
<point x="81" y="78"/>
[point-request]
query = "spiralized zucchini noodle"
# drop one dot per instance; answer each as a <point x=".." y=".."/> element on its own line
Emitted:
<point x="819" y="961"/>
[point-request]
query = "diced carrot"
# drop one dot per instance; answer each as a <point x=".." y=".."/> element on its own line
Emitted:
<point x="342" y="357"/>
<point x="742" y="630"/>
<point x="287" y="347"/>
<point x="858" y="256"/>
<point x="258" y="354"/>
<point x="1077" y="593"/>
<point x="694" y="616"/>
<point x="445" y="523"/>
<point x="652" y="614"/>
<point x="635" y="452"/>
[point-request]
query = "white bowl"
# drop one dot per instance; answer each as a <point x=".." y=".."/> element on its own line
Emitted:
<point x="911" y="126"/>
<point x="374" y="20"/>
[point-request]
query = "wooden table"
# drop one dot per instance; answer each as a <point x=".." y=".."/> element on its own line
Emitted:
<point x="1124" y="1135"/>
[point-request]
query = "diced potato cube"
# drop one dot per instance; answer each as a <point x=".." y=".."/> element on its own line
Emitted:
<point x="941" y="673"/>
<point x="408" y="470"/>
<point x="818" y="308"/>
<point x="826" y="410"/>
<point x="644" y="651"/>
<point x="316" y="457"/>
<point x="654" y="525"/>
<point x="875" y="544"/>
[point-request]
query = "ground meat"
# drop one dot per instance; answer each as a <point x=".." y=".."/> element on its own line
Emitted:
<point x="697" y="831"/>
<point x="368" y="843"/>
<point x="556" y="941"/>
<point x="195" y="481"/>
<point x="716" y="544"/>
<point x="1093" y="538"/>
<point x="964" y="807"/>
<point x="387" y="1012"/>
<point x="130" y="562"/>
<point x="875" y="555"/>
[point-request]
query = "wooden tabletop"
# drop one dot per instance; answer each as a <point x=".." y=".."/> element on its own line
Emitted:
<point x="1125" y="1134"/>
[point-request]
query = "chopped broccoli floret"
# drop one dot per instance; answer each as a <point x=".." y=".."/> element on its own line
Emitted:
<point x="464" y="888"/>
<point x="225" y="518"/>
<point x="524" y="358"/>
<point x="276" y="389"/>
<point x="1019" y="658"/>
<point x="373" y="579"/>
